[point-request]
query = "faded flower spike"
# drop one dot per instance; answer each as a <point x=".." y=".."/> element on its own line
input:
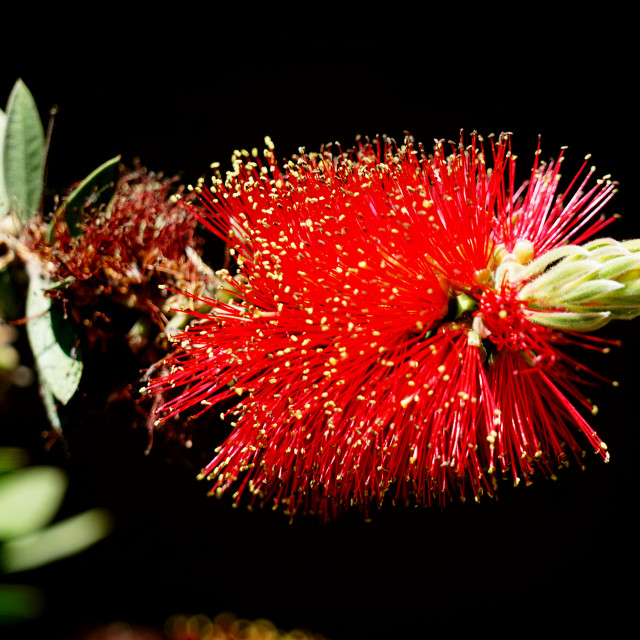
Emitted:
<point x="396" y="323"/>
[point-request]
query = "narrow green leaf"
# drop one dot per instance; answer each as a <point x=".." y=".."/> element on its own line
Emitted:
<point x="95" y="190"/>
<point x="29" y="499"/>
<point x="53" y="342"/>
<point x="56" y="541"/>
<point x="4" y="199"/>
<point x="23" y="153"/>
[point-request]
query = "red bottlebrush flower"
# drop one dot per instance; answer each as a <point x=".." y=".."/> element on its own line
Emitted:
<point x="397" y="323"/>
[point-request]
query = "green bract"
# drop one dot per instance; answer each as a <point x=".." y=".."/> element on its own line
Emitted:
<point x="581" y="288"/>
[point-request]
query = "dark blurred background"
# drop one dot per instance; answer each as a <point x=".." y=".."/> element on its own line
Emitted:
<point x="179" y="88"/>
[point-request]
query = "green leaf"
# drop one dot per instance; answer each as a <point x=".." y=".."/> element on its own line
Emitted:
<point x="23" y="153"/>
<point x="56" y="541"/>
<point x="95" y="190"/>
<point x="12" y="458"/>
<point x="4" y="199"/>
<point x="29" y="499"/>
<point x="53" y="342"/>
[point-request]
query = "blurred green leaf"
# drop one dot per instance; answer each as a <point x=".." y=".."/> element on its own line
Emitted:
<point x="53" y="342"/>
<point x="20" y="602"/>
<point x="57" y="541"/>
<point x="29" y="499"/>
<point x="12" y="458"/>
<point x="4" y="200"/>
<point x="23" y="153"/>
<point x="95" y="190"/>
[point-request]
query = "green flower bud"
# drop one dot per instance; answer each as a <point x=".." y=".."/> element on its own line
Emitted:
<point x="582" y="288"/>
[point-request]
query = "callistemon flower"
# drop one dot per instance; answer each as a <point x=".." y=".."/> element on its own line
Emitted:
<point x="396" y="323"/>
<point x="123" y="248"/>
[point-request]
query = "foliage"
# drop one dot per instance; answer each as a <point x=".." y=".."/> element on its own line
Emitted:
<point x="30" y="497"/>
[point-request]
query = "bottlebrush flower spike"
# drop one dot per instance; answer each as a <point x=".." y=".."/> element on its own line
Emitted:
<point x="397" y="322"/>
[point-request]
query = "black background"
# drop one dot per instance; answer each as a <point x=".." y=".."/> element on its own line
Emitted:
<point x="182" y="88"/>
